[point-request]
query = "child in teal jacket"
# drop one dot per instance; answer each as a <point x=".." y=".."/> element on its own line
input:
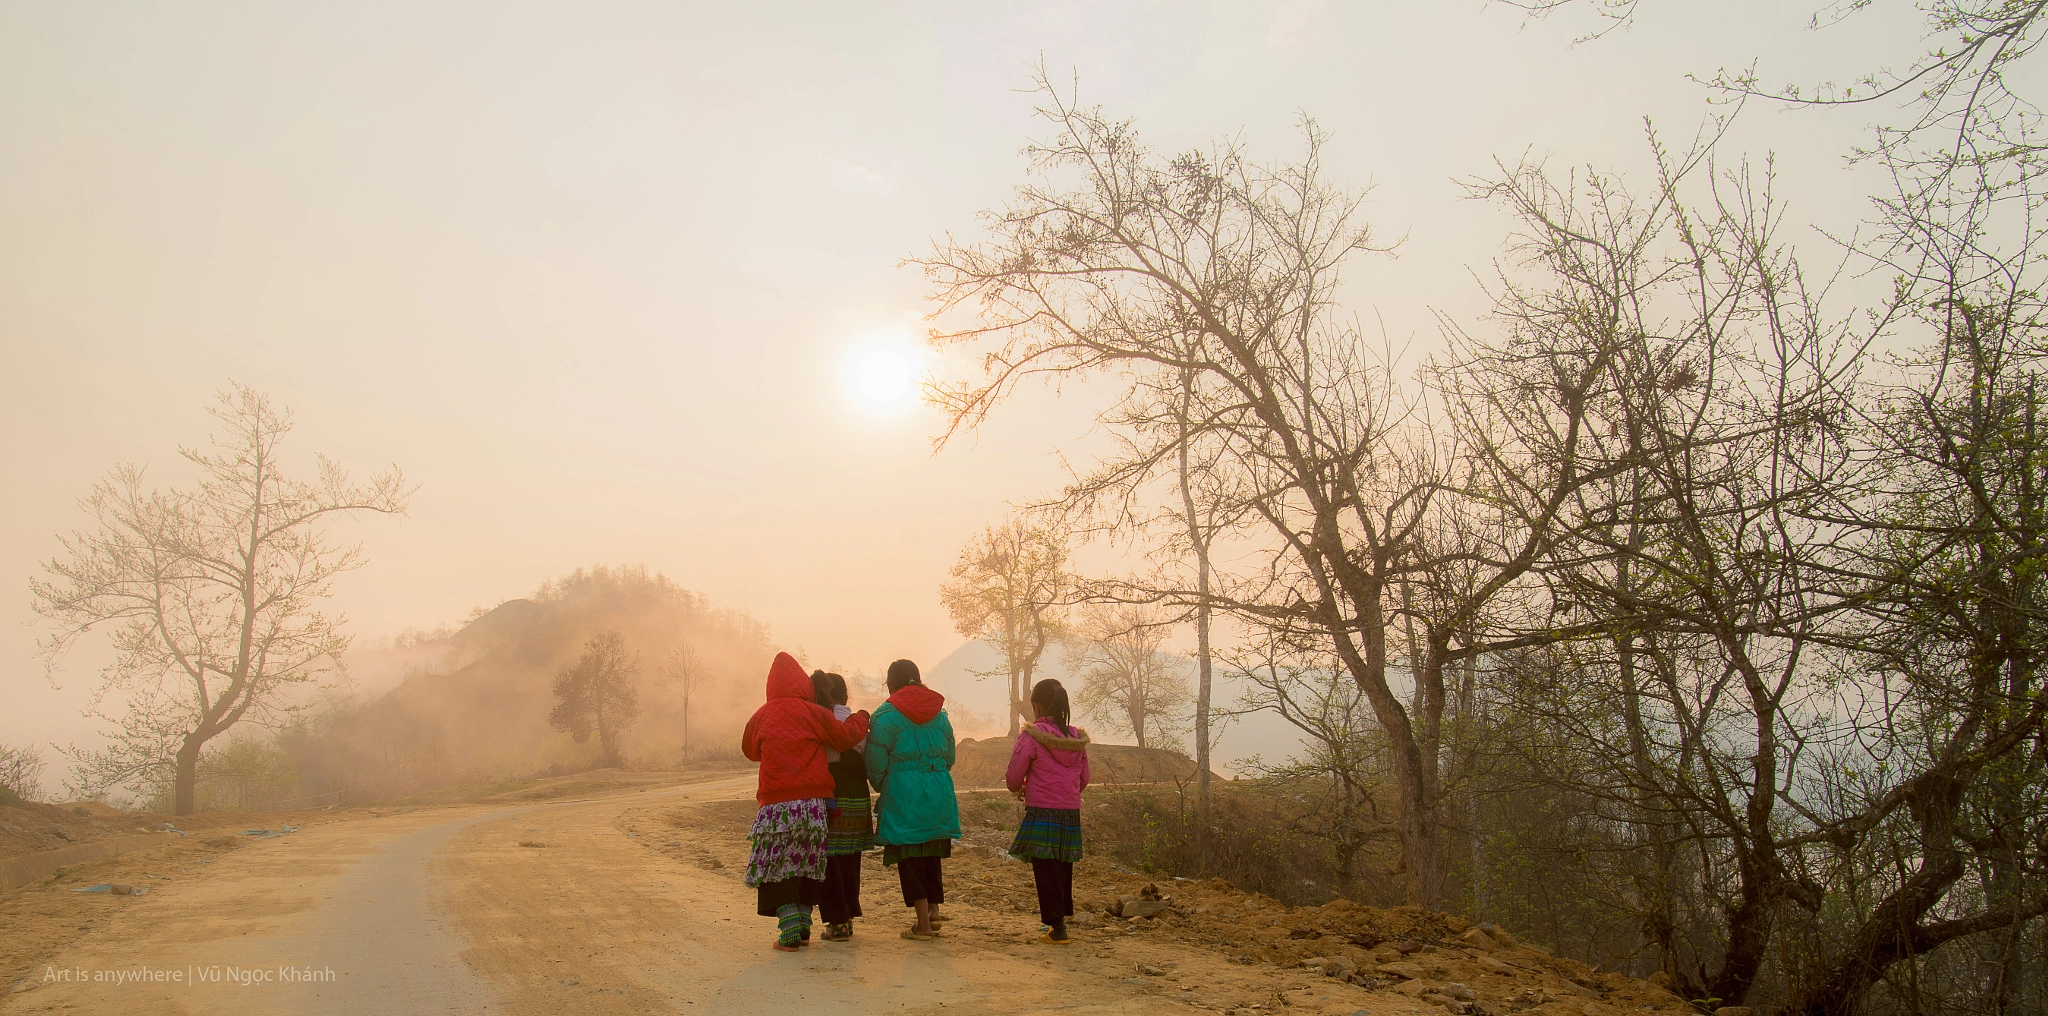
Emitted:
<point x="910" y="763"/>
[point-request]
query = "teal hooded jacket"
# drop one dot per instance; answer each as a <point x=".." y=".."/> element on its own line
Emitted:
<point x="910" y="762"/>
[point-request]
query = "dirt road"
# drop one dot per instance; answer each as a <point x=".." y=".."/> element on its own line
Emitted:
<point x="444" y="911"/>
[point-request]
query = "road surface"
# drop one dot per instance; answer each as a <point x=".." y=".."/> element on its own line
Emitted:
<point x="444" y="912"/>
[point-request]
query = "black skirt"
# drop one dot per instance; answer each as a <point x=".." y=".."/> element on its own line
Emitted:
<point x="799" y="891"/>
<point x="840" y="901"/>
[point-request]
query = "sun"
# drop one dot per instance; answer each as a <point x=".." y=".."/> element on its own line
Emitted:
<point x="883" y="374"/>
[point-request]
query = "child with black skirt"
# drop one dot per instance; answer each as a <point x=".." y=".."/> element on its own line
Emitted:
<point x="851" y="827"/>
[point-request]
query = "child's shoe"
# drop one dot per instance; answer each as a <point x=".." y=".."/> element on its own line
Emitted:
<point x="1055" y="936"/>
<point x="838" y="932"/>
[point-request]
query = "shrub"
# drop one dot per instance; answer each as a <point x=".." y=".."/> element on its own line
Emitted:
<point x="21" y="772"/>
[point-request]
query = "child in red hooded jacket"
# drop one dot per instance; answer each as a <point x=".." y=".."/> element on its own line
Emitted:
<point x="788" y="735"/>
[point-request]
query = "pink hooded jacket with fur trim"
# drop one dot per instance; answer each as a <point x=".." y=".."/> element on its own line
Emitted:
<point x="1050" y="768"/>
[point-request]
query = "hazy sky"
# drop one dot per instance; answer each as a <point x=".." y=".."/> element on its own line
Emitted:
<point x="619" y="282"/>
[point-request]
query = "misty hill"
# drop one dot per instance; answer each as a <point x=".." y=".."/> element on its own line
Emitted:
<point x="472" y="705"/>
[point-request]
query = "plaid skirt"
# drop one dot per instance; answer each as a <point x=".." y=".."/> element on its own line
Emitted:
<point x="789" y="841"/>
<point x="893" y="852"/>
<point x="1051" y="833"/>
<point x="852" y="831"/>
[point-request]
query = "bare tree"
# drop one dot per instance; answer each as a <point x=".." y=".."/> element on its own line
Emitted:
<point x="1950" y="509"/>
<point x="1209" y="267"/>
<point x="1706" y="595"/>
<point x="684" y="671"/>
<point x="1209" y="281"/>
<point x="1908" y="809"/>
<point x="21" y="772"/>
<point x="1127" y="678"/>
<point x="596" y="694"/>
<point x="1009" y="587"/>
<point x="209" y="595"/>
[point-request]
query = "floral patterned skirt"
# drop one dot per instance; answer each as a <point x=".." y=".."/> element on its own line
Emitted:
<point x="789" y="842"/>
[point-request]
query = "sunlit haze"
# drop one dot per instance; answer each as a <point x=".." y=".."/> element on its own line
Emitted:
<point x="1480" y="507"/>
<point x="623" y="283"/>
<point x="885" y="370"/>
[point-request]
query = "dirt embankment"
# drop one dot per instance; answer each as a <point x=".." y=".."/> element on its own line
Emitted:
<point x="1211" y="935"/>
<point x="33" y="828"/>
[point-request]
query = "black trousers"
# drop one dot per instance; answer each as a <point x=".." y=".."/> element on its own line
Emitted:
<point x="921" y="880"/>
<point x="1055" y="890"/>
<point x="839" y="902"/>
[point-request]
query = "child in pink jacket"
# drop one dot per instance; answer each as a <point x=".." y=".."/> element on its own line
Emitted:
<point x="1049" y="769"/>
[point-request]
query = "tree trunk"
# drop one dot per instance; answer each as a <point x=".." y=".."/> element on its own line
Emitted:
<point x="1418" y="835"/>
<point x="185" y="782"/>
<point x="1749" y="934"/>
<point x="1202" y="691"/>
<point x="1202" y="665"/>
<point x="1468" y="711"/>
<point x="2008" y="973"/>
<point x="1414" y="778"/>
<point x="1892" y="931"/>
<point x="1422" y="797"/>
<point x="1653" y="810"/>
<point x="1347" y="869"/>
<point x="1016" y="704"/>
<point x="1025" y="711"/>
<point x="2003" y="881"/>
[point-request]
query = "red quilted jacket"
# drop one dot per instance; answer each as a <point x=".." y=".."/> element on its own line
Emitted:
<point x="789" y="735"/>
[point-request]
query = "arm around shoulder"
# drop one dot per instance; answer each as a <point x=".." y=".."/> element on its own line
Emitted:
<point x="880" y="739"/>
<point x="841" y="734"/>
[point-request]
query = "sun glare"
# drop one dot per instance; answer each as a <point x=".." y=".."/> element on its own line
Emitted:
<point x="882" y="374"/>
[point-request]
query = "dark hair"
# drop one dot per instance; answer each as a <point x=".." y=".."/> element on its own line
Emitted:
<point x="902" y="672"/>
<point x="1050" y="698"/>
<point x="828" y="690"/>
